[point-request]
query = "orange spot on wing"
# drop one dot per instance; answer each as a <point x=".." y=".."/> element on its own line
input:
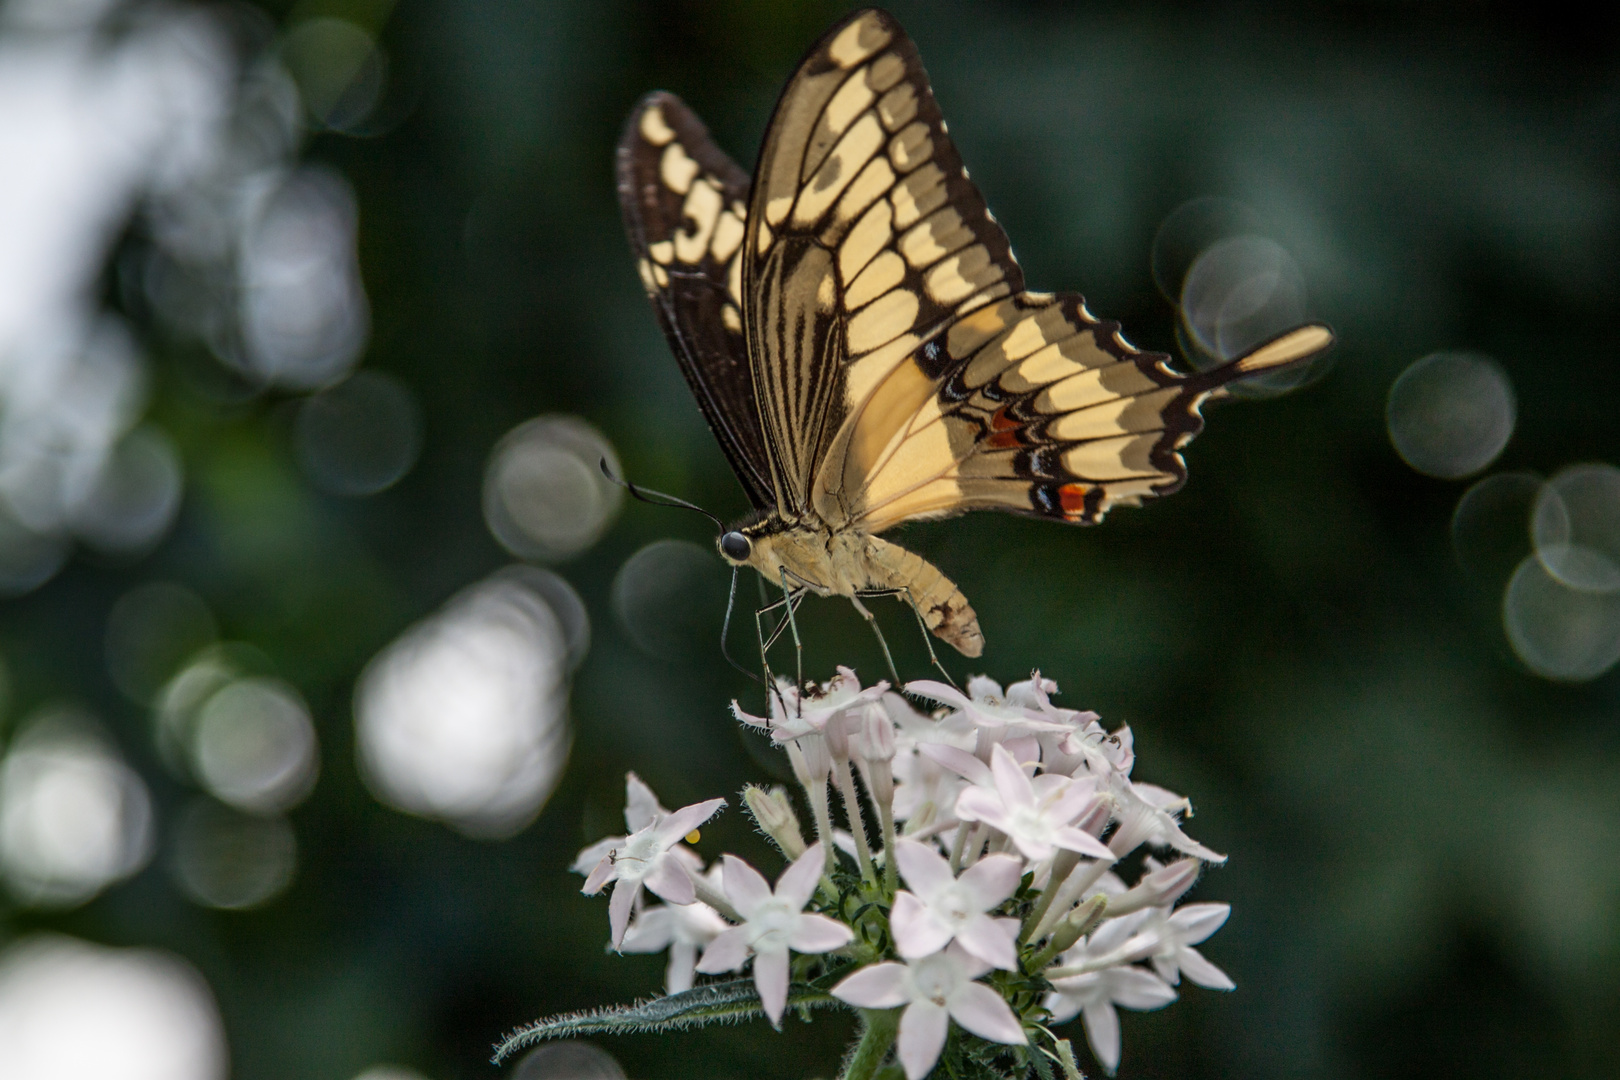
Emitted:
<point x="1073" y="498"/>
<point x="1005" y="430"/>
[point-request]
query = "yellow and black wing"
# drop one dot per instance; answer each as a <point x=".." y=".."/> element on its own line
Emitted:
<point x="684" y="204"/>
<point x="901" y="369"/>
<point x="865" y="240"/>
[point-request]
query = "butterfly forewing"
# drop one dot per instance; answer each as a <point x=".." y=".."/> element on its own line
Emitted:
<point x="865" y="238"/>
<point x="685" y="204"/>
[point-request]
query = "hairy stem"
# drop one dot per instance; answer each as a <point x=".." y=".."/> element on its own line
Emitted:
<point x="877" y="1035"/>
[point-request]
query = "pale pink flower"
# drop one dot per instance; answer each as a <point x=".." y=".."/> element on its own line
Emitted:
<point x="934" y="990"/>
<point x="1037" y="815"/>
<point x="641" y="808"/>
<point x="682" y="929"/>
<point x="1096" y="994"/>
<point x="647" y="858"/>
<point x="1147" y="814"/>
<point x="1178" y="932"/>
<point x="792" y="716"/>
<point x="942" y="908"/>
<point x="988" y="709"/>
<point x="773" y="923"/>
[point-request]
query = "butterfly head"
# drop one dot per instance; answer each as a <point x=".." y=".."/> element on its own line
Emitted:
<point x="736" y="547"/>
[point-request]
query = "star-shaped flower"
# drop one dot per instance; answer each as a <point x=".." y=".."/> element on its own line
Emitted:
<point x="680" y="928"/>
<point x="773" y="923"/>
<point x="1178" y="932"/>
<point x="792" y="716"/>
<point x="647" y="858"/>
<point x="935" y="990"/>
<point x="641" y="808"/>
<point x="943" y="908"/>
<point x="1116" y="982"/>
<point x="1037" y="815"/>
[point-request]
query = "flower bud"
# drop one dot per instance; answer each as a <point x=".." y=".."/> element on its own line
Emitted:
<point x="836" y="734"/>
<point x="773" y="813"/>
<point x="1157" y="888"/>
<point x="877" y="734"/>
<point x="1077" y="924"/>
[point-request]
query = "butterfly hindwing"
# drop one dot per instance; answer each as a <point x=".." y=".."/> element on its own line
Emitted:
<point x="1044" y="410"/>
<point x="685" y="204"/>
<point x="865" y="238"/>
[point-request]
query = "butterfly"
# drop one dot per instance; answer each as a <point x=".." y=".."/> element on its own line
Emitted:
<point x="858" y="336"/>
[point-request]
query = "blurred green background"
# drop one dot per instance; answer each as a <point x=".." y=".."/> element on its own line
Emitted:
<point x="1424" y="832"/>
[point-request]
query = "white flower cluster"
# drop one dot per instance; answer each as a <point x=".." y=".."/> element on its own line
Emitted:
<point x="990" y="898"/>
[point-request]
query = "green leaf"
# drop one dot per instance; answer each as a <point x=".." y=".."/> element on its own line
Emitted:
<point x="727" y="1002"/>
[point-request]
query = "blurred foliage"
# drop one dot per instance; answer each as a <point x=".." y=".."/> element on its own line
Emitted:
<point x="1424" y="836"/>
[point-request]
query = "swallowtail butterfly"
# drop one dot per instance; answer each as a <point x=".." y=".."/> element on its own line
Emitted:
<point x="858" y="335"/>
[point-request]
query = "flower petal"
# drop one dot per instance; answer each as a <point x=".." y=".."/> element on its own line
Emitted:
<point x="652" y="931"/>
<point x="958" y="761"/>
<point x="744" y="886"/>
<point x="771" y="980"/>
<point x="1197" y="921"/>
<point x="990" y="880"/>
<point x="1201" y="971"/>
<point x="668" y="878"/>
<point x="985" y="1013"/>
<point x="1011" y="783"/>
<point x="917" y="933"/>
<point x="922" y="1036"/>
<point x="682" y="962"/>
<point x="641" y="807"/>
<point x="819" y="934"/>
<point x="619" y="905"/>
<point x="1138" y="988"/>
<point x="1081" y="841"/>
<point x="600" y="876"/>
<point x="727" y="952"/>
<point x="798" y="882"/>
<point x="923" y="867"/>
<point x="1102" y="1032"/>
<point x="988" y="940"/>
<point x="686" y="819"/>
<point x="590" y="857"/>
<point x="977" y="804"/>
<point x="940" y="692"/>
<point x="880" y="986"/>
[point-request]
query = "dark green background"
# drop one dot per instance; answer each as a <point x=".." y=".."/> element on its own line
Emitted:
<point x="1424" y="837"/>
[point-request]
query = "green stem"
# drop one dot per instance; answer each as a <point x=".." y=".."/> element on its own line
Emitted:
<point x="879" y="1027"/>
<point x="891" y="881"/>
<point x="857" y="825"/>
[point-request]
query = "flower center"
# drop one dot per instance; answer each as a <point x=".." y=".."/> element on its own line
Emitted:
<point x="770" y="926"/>
<point x="935" y="978"/>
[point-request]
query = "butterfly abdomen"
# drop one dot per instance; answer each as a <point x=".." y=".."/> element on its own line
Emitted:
<point x="944" y="610"/>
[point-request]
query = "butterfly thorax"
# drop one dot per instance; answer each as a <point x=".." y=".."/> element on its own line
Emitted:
<point x="847" y="562"/>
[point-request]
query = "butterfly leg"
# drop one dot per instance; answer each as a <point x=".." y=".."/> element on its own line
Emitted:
<point x="788" y="593"/>
<point x="768" y="640"/>
<point x="928" y="639"/>
<point x="871" y="620"/>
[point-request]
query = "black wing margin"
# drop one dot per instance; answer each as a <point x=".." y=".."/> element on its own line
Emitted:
<point x="685" y="209"/>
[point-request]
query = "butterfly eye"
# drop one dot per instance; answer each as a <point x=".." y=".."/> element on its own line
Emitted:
<point x="735" y="546"/>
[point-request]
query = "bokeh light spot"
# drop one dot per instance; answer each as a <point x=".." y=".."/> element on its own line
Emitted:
<point x="1490" y="529"/>
<point x="544" y="493"/>
<point x="1559" y="632"/>
<point x="70" y="1010"/>
<point x="669" y="598"/>
<point x="1188" y="231"/>
<point x="360" y="436"/>
<point x="253" y="745"/>
<point x="568" y="1060"/>
<point x="225" y="859"/>
<point x="137" y="495"/>
<point x="340" y="71"/>
<point x="1576" y="527"/>
<point x="1451" y="413"/>
<point x="1239" y="293"/>
<point x="73" y="817"/>
<point x="464" y="718"/>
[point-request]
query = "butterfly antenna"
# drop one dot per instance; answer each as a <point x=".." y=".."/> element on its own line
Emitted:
<point x="658" y="498"/>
